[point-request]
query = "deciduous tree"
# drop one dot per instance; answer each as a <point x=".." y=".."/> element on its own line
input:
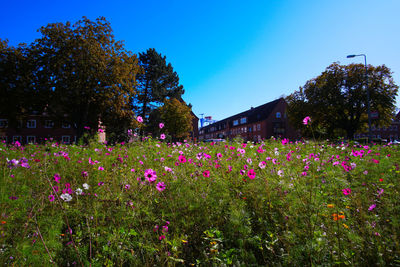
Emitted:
<point x="336" y="100"/>
<point x="88" y="75"/>
<point x="177" y="118"/>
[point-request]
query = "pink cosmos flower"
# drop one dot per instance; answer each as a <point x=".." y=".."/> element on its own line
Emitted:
<point x="306" y="120"/>
<point x="150" y="175"/>
<point x="251" y="174"/>
<point x="182" y="159"/>
<point x="161" y="125"/>
<point x="262" y="164"/>
<point x="373" y="206"/>
<point x="206" y="173"/>
<point x="160" y="186"/>
<point x="51" y="198"/>
<point x="57" y="177"/>
<point x="161" y="237"/>
<point x="162" y="136"/>
<point x="100" y="130"/>
<point x="285" y="141"/>
<point x="101" y="168"/>
<point x="139" y="119"/>
<point x="346" y="191"/>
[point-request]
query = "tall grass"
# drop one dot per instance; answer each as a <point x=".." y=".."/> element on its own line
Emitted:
<point x="152" y="203"/>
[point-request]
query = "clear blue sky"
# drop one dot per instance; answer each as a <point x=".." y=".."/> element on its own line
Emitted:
<point x="232" y="55"/>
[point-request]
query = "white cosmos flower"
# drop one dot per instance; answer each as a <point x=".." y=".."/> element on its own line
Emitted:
<point x="86" y="186"/>
<point x="78" y="191"/>
<point x="66" y="197"/>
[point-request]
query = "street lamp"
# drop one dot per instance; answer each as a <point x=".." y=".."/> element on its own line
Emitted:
<point x="366" y="84"/>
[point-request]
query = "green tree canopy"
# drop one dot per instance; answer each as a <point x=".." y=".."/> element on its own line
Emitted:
<point x="17" y="95"/>
<point x="155" y="83"/>
<point x="176" y="116"/>
<point x="87" y="75"/>
<point x="336" y="100"/>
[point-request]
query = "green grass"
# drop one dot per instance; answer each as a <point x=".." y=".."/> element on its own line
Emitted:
<point x="293" y="212"/>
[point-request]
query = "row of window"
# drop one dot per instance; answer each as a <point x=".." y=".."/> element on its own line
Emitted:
<point x="390" y="128"/>
<point x="32" y="124"/>
<point x="31" y="139"/>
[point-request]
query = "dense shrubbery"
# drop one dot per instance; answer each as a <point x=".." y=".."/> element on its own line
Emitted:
<point x="151" y="203"/>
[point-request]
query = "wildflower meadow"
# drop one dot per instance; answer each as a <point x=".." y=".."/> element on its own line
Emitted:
<point x="233" y="203"/>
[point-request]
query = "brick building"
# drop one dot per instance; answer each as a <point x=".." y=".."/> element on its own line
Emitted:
<point x="255" y="124"/>
<point x="35" y="129"/>
<point x="390" y="133"/>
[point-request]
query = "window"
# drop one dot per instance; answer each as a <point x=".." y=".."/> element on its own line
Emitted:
<point x="31" y="124"/>
<point x="30" y="139"/>
<point x="20" y="124"/>
<point x="65" y="139"/>
<point x="17" y="138"/>
<point x="3" y="123"/>
<point x="245" y="129"/>
<point x="235" y="122"/>
<point x="48" y="124"/>
<point x="258" y="127"/>
<point x="243" y="120"/>
<point x="66" y="125"/>
<point x="255" y="128"/>
<point x="278" y="115"/>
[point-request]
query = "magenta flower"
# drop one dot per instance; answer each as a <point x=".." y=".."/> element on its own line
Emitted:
<point x="139" y="119"/>
<point x="182" y="159"/>
<point x="161" y="237"/>
<point x="101" y="168"/>
<point x="160" y="186"/>
<point x="346" y="191"/>
<point x="51" y="198"/>
<point x="251" y="174"/>
<point x="161" y="125"/>
<point x="206" y="173"/>
<point x="162" y="136"/>
<point x="150" y="175"/>
<point x="306" y="120"/>
<point x="373" y="206"/>
<point x="57" y="177"/>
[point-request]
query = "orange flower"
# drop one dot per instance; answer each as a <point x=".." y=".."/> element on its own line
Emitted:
<point x="337" y="216"/>
<point x="3" y="222"/>
<point x="330" y="205"/>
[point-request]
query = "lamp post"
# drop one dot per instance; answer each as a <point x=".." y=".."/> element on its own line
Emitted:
<point x="367" y="88"/>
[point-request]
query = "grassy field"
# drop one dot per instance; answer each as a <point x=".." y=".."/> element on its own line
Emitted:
<point x="152" y="203"/>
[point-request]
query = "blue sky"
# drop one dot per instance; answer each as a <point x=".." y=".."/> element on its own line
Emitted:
<point x="233" y="55"/>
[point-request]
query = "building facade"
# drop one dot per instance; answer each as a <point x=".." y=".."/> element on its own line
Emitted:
<point x="390" y="133"/>
<point x="255" y="124"/>
<point x="37" y="128"/>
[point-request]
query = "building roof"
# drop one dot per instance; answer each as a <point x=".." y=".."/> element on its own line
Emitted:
<point x="253" y="115"/>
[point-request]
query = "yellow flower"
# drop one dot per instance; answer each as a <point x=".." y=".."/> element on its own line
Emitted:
<point x="346" y="226"/>
<point x="330" y="205"/>
<point x="184" y="241"/>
